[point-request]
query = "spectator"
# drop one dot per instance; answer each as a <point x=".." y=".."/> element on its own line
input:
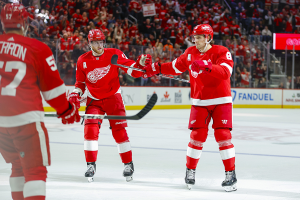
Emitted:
<point x="269" y="21"/>
<point x="266" y="35"/>
<point x="262" y="83"/>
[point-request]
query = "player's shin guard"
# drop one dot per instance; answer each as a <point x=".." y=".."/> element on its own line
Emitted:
<point x="226" y="148"/>
<point x="91" y="133"/>
<point x="123" y="144"/>
<point x="194" y="150"/>
<point x="35" y="183"/>
<point x="17" y="181"/>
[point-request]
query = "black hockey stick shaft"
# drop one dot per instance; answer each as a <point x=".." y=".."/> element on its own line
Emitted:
<point x="152" y="101"/>
<point x="114" y="60"/>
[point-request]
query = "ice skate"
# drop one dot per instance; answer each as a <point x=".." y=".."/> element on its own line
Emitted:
<point x="90" y="172"/>
<point x="128" y="171"/>
<point x="190" y="178"/>
<point x="229" y="184"/>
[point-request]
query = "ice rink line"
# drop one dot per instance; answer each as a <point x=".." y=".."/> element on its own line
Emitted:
<point x="248" y="154"/>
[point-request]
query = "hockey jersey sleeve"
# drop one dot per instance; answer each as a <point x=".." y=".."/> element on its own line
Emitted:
<point x="80" y="78"/>
<point x="222" y="68"/>
<point x="123" y="60"/>
<point x="176" y="67"/>
<point x="52" y="87"/>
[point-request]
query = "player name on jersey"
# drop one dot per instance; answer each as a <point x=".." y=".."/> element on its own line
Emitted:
<point x="13" y="49"/>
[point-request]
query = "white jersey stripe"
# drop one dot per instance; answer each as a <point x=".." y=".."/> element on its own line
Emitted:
<point x="43" y="144"/>
<point x="228" y="67"/>
<point x="34" y="188"/>
<point x="55" y="92"/>
<point x="22" y="119"/>
<point x="208" y="102"/>
<point x="124" y="147"/>
<point x="91" y="145"/>
<point x="227" y="154"/>
<point x="173" y="65"/>
<point x="17" y="183"/>
<point x="193" y="153"/>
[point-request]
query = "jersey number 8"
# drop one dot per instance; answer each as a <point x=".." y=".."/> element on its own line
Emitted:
<point x="228" y="56"/>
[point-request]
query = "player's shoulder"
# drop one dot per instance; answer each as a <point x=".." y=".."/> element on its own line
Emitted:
<point x="219" y="49"/>
<point x="85" y="56"/>
<point x="191" y="50"/>
<point x="112" y="51"/>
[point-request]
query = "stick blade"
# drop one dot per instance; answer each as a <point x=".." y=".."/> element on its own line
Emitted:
<point x="152" y="101"/>
<point x="114" y="59"/>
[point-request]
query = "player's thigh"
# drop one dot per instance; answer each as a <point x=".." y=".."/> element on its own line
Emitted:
<point x="222" y="116"/>
<point x="7" y="146"/>
<point x="95" y="109"/>
<point x="32" y="143"/>
<point x="199" y="117"/>
<point x="114" y="105"/>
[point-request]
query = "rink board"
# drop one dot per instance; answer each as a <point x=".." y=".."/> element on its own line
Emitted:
<point x="179" y="98"/>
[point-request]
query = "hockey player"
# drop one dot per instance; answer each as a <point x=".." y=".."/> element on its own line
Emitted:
<point x="210" y="67"/>
<point x="27" y="67"/>
<point x="101" y="80"/>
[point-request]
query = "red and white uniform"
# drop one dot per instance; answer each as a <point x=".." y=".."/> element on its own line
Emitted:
<point x="27" y="70"/>
<point x="101" y="80"/>
<point x="211" y="98"/>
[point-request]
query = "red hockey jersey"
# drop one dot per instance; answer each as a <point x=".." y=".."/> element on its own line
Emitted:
<point x="99" y="76"/>
<point x="206" y="89"/>
<point x="27" y="66"/>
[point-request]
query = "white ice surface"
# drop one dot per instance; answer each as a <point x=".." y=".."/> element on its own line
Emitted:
<point x="267" y="143"/>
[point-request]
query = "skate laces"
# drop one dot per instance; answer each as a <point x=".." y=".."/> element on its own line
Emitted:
<point x="191" y="174"/>
<point x="90" y="168"/>
<point x="128" y="168"/>
<point x="228" y="176"/>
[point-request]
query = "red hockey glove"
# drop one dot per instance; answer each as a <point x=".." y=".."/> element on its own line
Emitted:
<point x="74" y="98"/>
<point x="71" y="115"/>
<point x="143" y="60"/>
<point x="203" y="65"/>
<point x="151" y="70"/>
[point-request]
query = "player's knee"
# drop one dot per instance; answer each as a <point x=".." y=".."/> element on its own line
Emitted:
<point x="223" y="136"/>
<point x="199" y="134"/>
<point x="35" y="173"/>
<point x="91" y="131"/>
<point x="120" y="135"/>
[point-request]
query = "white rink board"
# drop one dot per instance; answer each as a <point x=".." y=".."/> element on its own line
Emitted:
<point x="256" y="96"/>
<point x="138" y="96"/>
<point x="291" y="97"/>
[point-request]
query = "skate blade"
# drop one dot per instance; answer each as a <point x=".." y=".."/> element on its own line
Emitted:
<point x="129" y="178"/>
<point x="189" y="186"/>
<point x="230" y="188"/>
<point x="90" y="179"/>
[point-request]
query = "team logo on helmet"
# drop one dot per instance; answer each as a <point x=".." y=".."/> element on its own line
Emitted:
<point x="98" y="73"/>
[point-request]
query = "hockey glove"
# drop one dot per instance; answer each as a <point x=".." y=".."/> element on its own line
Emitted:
<point x="144" y="60"/>
<point x="151" y="70"/>
<point x="199" y="66"/>
<point x="74" y="98"/>
<point x="71" y="115"/>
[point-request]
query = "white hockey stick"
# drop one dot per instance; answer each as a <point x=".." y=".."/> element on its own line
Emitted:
<point x="114" y="60"/>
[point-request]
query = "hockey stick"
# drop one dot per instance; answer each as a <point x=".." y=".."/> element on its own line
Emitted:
<point x="114" y="60"/>
<point x="152" y="101"/>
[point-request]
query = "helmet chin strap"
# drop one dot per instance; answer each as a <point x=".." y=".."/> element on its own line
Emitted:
<point x="206" y="43"/>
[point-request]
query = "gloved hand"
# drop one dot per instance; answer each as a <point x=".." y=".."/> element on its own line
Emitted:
<point x="199" y="65"/>
<point x="143" y="60"/>
<point x="71" y="115"/>
<point x="151" y="70"/>
<point x="74" y="98"/>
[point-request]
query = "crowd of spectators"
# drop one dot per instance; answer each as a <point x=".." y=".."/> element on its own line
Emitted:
<point x="63" y="25"/>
